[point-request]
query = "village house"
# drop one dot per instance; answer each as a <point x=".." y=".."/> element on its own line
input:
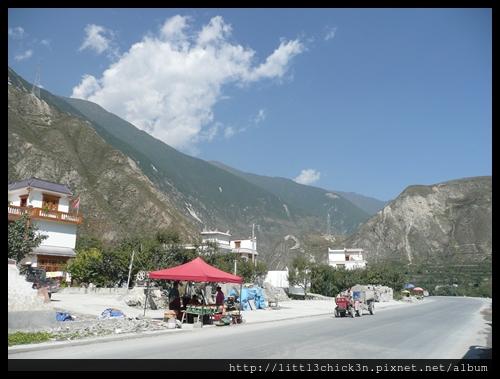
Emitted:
<point x="240" y="248"/>
<point x="350" y="259"/>
<point x="49" y="207"/>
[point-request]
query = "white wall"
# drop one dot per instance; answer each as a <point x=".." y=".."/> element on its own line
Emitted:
<point x="277" y="278"/>
<point x="35" y="199"/>
<point x="60" y="234"/>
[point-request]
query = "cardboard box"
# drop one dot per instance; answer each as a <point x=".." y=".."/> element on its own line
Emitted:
<point x="169" y="314"/>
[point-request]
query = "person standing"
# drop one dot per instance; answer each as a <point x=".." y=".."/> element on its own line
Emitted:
<point x="174" y="299"/>
<point x="219" y="299"/>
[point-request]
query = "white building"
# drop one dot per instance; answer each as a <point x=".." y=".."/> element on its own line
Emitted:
<point x="246" y="248"/>
<point x="48" y="205"/>
<point x="348" y="258"/>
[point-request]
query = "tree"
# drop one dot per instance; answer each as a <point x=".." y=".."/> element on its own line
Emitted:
<point x="23" y="238"/>
<point x="251" y="272"/>
<point x="300" y="273"/>
<point x="260" y="273"/>
<point x="323" y="280"/>
<point x="87" y="267"/>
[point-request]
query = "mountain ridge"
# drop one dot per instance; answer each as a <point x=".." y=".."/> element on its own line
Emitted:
<point x="132" y="183"/>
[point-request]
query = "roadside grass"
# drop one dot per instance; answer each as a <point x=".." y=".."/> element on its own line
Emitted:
<point x="24" y="338"/>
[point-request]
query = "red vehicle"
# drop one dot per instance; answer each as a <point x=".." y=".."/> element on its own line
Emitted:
<point x="344" y="307"/>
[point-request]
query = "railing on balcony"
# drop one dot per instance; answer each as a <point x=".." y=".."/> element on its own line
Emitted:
<point x="16" y="211"/>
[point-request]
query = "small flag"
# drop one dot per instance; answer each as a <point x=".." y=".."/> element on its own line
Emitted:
<point x="76" y="204"/>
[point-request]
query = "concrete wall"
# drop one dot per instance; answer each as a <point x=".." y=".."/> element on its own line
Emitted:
<point x="21" y="297"/>
<point x="28" y="309"/>
<point x="26" y="321"/>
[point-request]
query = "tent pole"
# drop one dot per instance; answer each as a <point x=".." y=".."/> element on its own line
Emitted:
<point x="146" y="302"/>
<point x="203" y="305"/>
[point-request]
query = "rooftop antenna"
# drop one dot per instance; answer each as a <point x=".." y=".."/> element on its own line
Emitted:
<point x="36" y="84"/>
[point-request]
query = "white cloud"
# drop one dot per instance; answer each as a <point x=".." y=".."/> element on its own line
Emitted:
<point x="95" y="40"/>
<point x="330" y="33"/>
<point x="229" y="132"/>
<point x="261" y="116"/>
<point x="308" y="177"/>
<point x="25" y="55"/>
<point x="88" y="86"/>
<point x="168" y="84"/>
<point x="16" y="32"/>
<point x="45" y="42"/>
<point x="277" y="63"/>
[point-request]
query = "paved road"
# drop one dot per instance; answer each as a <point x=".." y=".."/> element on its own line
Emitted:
<point x="478" y="328"/>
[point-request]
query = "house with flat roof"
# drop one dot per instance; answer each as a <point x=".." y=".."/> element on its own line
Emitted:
<point x="239" y="248"/>
<point x="348" y="258"/>
<point x="49" y="206"/>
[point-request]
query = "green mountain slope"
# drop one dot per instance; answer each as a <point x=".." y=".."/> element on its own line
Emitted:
<point x="344" y="216"/>
<point x="117" y="199"/>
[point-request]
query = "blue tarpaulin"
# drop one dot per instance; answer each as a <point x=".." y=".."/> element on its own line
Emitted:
<point x="64" y="316"/>
<point x="254" y="294"/>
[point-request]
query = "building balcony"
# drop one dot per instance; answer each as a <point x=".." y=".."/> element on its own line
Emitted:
<point x="15" y="212"/>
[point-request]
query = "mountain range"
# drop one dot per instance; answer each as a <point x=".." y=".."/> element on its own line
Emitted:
<point x="132" y="183"/>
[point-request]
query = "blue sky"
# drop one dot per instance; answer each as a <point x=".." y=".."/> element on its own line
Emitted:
<point x="369" y="101"/>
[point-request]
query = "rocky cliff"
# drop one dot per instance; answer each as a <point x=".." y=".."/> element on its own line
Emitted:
<point x="445" y="223"/>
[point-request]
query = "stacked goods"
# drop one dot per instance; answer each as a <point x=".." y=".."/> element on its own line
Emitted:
<point x="205" y="309"/>
<point x="225" y="320"/>
<point x="169" y="314"/>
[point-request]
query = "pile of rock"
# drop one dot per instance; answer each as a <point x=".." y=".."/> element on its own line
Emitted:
<point x="88" y="326"/>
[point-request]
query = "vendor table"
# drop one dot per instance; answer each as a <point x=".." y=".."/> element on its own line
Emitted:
<point x="200" y="311"/>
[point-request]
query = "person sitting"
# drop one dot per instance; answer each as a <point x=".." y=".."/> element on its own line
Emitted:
<point x="194" y="301"/>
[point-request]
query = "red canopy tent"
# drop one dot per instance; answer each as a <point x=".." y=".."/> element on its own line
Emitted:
<point x="196" y="271"/>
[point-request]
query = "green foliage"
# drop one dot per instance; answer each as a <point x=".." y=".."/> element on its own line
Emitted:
<point x="224" y="262"/>
<point x="483" y="290"/>
<point x="23" y="238"/>
<point x="88" y="242"/>
<point x="323" y="280"/>
<point x="23" y="338"/>
<point x="251" y="272"/>
<point x="260" y="272"/>
<point x="87" y="267"/>
<point x="110" y="266"/>
<point x="328" y="281"/>
<point x="385" y="274"/>
<point x="300" y="273"/>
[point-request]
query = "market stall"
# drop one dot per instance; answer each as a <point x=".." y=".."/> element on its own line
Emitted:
<point x="197" y="271"/>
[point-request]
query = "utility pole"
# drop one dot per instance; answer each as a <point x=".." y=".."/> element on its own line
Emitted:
<point x="130" y="268"/>
<point x="253" y="243"/>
